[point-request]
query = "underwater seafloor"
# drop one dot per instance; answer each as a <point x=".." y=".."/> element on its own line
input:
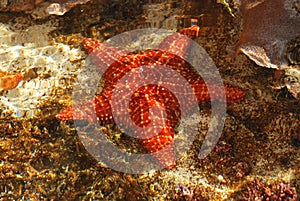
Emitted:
<point x="41" y="158"/>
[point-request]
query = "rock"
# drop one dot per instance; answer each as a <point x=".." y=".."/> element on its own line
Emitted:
<point x="268" y="27"/>
<point x="18" y="5"/>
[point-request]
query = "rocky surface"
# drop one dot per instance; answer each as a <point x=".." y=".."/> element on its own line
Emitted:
<point x="268" y="39"/>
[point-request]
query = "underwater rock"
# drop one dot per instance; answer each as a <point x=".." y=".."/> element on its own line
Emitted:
<point x="292" y="81"/>
<point x="60" y="7"/>
<point x="57" y="7"/>
<point x="48" y="72"/>
<point x="18" y="5"/>
<point x="267" y="26"/>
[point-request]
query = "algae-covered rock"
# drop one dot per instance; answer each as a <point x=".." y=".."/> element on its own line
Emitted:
<point x="48" y="70"/>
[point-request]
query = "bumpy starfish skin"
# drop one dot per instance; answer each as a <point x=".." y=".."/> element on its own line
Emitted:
<point x="157" y="123"/>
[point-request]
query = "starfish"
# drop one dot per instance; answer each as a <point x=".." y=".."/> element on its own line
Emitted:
<point x="146" y="103"/>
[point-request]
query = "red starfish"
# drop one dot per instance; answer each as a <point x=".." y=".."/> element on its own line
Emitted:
<point x="157" y="97"/>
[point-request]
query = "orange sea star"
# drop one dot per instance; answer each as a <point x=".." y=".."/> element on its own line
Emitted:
<point x="148" y="96"/>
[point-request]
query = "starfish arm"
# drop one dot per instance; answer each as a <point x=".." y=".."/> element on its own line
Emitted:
<point x="161" y="146"/>
<point x="92" y="111"/>
<point x="232" y="94"/>
<point x="191" y="32"/>
<point x="125" y="64"/>
<point x="101" y="54"/>
<point x="178" y="44"/>
<point x="82" y="111"/>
